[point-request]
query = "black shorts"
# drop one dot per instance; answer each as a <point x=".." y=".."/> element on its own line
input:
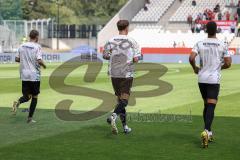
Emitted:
<point x="122" y="85"/>
<point x="30" y="88"/>
<point x="209" y="91"/>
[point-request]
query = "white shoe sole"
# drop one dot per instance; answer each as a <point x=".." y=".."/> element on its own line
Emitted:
<point x="14" y="108"/>
<point x="128" y="131"/>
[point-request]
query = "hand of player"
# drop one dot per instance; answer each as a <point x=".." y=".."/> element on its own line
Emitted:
<point x="196" y="70"/>
<point x="41" y="63"/>
<point x="135" y="59"/>
<point x="107" y="56"/>
<point x="44" y="66"/>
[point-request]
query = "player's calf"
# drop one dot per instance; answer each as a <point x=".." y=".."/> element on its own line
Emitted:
<point x="209" y="116"/>
<point x="24" y="99"/>
<point x="119" y="110"/>
<point x="123" y="118"/>
<point x="112" y="121"/>
<point x="32" y="107"/>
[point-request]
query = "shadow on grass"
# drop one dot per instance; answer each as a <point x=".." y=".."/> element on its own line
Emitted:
<point x="154" y="140"/>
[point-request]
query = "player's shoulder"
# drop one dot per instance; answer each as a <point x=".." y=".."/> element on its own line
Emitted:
<point x="31" y="45"/>
<point x="222" y="43"/>
<point x="122" y="38"/>
<point x="132" y="40"/>
<point x="214" y="40"/>
<point x="199" y="43"/>
<point x="37" y="45"/>
<point x="112" y="39"/>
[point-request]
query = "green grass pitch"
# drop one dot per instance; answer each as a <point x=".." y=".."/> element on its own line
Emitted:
<point x="53" y="139"/>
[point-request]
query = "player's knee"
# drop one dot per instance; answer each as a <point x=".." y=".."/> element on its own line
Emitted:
<point x="35" y="97"/>
<point x="27" y="97"/>
<point x="212" y="101"/>
<point x="24" y="99"/>
<point x="124" y="102"/>
<point x="125" y="96"/>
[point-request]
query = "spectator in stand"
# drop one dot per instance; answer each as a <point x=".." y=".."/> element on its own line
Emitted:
<point x="193" y="28"/>
<point x="228" y="16"/>
<point x="200" y="15"/>
<point x="219" y="16"/>
<point x="194" y="3"/>
<point x="231" y="3"/>
<point x="198" y="18"/>
<point x="217" y="8"/>
<point x="198" y="28"/>
<point x="174" y="44"/>
<point x="183" y="44"/>
<point x="233" y="27"/>
<point x="213" y="16"/>
<point x="145" y="8"/>
<point x="208" y="14"/>
<point x="196" y="21"/>
<point x="205" y="15"/>
<point x="236" y="16"/>
<point x="190" y="20"/>
<point x="203" y="27"/>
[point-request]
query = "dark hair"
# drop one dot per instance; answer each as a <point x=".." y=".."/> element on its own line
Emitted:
<point x="122" y="24"/>
<point x="211" y="28"/>
<point x="33" y="34"/>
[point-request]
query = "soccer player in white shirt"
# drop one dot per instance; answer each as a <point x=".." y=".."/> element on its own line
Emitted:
<point x="214" y="57"/>
<point x="30" y="58"/>
<point x="122" y="52"/>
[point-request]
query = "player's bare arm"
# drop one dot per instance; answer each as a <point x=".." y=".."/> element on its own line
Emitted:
<point x="107" y="51"/>
<point x="17" y="59"/>
<point x="41" y="63"/>
<point x="106" y="55"/>
<point x="192" y="60"/>
<point x="227" y="63"/>
<point x="137" y="59"/>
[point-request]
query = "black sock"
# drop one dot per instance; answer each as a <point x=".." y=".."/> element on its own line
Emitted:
<point x="32" y="107"/>
<point x="123" y="117"/>
<point x="209" y="116"/>
<point x="121" y="106"/>
<point x="23" y="99"/>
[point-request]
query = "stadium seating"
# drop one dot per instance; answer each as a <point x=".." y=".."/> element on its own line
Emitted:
<point x="156" y="10"/>
<point x="176" y="33"/>
<point x="155" y="37"/>
<point x="187" y="9"/>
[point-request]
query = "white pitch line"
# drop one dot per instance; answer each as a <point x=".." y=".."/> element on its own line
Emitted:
<point x="173" y="71"/>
